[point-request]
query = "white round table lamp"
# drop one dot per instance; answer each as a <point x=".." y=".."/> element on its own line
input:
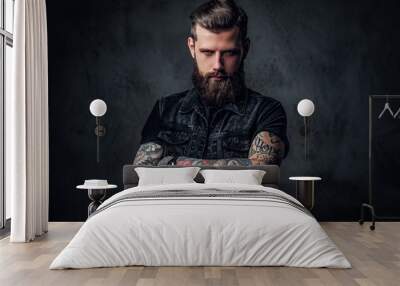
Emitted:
<point x="305" y="108"/>
<point x="98" y="108"/>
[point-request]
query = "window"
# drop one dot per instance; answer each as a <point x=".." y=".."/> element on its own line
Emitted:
<point x="6" y="62"/>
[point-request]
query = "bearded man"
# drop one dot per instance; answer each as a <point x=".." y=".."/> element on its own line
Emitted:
<point x="219" y="122"/>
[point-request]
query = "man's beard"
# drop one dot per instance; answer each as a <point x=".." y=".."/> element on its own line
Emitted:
<point x="218" y="92"/>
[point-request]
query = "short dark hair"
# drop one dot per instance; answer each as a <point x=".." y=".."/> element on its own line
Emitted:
<point x="219" y="15"/>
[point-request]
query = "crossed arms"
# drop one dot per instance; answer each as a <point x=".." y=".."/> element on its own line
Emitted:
<point x="265" y="149"/>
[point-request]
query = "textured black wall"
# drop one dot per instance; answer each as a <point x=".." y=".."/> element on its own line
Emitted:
<point x="130" y="53"/>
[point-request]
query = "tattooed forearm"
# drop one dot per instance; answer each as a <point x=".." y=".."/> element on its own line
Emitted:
<point x="267" y="148"/>
<point x="148" y="154"/>
<point x="185" y="161"/>
<point x="235" y="162"/>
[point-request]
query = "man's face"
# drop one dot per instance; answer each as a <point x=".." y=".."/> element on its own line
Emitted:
<point x="217" y="54"/>
<point x="218" y="58"/>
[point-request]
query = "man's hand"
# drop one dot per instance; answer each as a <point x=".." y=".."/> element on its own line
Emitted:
<point x="167" y="161"/>
<point x="148" y="154"/>
<point x="266" y="149"/>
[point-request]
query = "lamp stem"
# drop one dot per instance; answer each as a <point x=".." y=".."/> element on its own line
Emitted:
<point x="98" y="139"/>
<point x="305" y="138"/>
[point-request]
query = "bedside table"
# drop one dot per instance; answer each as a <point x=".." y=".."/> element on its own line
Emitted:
<point x="305" y="190"/>
<point x="96" y="192"/>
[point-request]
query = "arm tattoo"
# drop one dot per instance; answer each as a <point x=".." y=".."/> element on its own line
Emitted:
<point x="148" y="154"/>
<point x="185" y="161"/>
<point x="267" y="148"/>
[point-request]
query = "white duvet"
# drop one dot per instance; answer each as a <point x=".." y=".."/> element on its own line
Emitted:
<point x="200" y="231"/>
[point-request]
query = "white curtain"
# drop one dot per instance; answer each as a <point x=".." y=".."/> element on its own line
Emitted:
<point x="27" y="143"/>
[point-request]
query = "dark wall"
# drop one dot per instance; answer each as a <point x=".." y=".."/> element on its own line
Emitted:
<point x="129" y="53"/>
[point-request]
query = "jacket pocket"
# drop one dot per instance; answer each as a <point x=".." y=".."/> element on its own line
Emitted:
<point x="176" y="142"/>
<point x="235" y="146"/>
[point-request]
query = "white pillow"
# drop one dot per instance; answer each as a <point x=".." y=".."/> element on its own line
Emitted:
<point x="163" y="176"/>
<point x="248" y="177"/>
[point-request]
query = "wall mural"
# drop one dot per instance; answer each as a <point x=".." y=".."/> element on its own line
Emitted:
<point x="218" y="122"/>
<point x="177" y="95"/>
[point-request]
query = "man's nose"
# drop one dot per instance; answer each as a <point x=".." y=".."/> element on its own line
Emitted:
<point x="218" y="62"/>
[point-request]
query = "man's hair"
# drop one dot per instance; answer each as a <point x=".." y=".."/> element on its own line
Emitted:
<point x="219" y="15"/>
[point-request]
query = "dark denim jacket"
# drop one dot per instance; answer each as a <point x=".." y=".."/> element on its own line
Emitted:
<point x="180" y="123"/>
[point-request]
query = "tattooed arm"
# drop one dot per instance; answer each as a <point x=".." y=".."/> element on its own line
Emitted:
<point x="186" y="161"/>
<point x="148" y="154"/>
<point x="266" y="149"/>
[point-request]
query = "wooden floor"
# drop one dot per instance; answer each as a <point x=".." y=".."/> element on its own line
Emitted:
<point x="375" y="256"/>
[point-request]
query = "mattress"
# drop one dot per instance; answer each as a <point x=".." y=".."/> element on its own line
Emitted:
<point x="201" y="225"/>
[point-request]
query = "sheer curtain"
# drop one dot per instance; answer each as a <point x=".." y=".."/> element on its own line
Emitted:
<point x="27" y="147"/>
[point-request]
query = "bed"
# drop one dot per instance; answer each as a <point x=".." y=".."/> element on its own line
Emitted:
<point x="197" y="224"/>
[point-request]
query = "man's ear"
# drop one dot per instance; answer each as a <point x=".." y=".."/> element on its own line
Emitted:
<point x="246" y="47"/>
<point x="190" y="43"/>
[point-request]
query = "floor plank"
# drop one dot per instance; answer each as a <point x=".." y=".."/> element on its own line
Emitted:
<point x="375" y="257"/>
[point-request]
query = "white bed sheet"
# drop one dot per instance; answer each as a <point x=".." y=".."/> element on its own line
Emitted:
<point x="200" y="231"/>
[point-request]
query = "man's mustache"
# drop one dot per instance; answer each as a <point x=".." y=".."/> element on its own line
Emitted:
<point x="217" y="74"/>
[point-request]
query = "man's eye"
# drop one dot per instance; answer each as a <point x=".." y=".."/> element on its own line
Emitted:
<point x="230" y="53"/>
<point x="208" y="53"/>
